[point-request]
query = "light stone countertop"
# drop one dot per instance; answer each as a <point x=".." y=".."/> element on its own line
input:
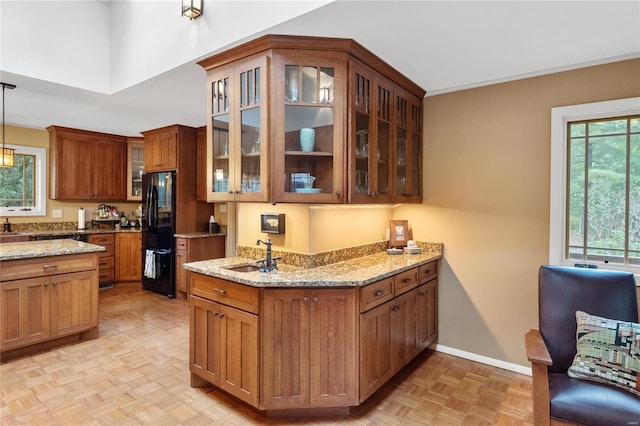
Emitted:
<point x="32" y="249"/>
<point x="351" y="273"/>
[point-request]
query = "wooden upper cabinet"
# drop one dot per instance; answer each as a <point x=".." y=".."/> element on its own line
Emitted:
<point x="135" y="168"/>
<point x="321" y="115"/>
<point x="160" y="150"/>
<point x="87" y="165"/>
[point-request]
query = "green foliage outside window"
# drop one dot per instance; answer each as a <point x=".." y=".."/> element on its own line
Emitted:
<point x="603" y="218"/>
<point x="17" y="187"/>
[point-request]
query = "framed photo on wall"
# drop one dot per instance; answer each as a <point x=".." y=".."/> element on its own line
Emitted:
<point x="399" y="233"/>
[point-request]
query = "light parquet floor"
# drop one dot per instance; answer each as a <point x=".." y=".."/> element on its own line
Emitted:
<point x="137" y="373"/>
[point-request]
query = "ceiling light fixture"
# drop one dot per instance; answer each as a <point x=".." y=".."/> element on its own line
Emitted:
<point x="191" y="8"/>
<point x="7" y="153"/>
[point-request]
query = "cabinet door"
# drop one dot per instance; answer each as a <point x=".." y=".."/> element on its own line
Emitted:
<point x="160" y="151"/>
<point x="201" y="165"/>
<point x="285" y="361"/>
<point x="24" y="312"/>
<point x="404" y="334"/>
<point x="205" y="337"/>
<point x="408" y="148"/>
<point x="376" y="366"/>
<point x="309" y="121"/>
<point x="135" y="168"/>
<point x="128" y="257"/>
<point x="109" y="169"/>
<point x="74" y="302"/>
<point x="427" y="313"/>
<point x="370" y="136"/>
<point x="332" y="357"/>
<point x="239" y="354"/>
<point x="182" y="281"/>
<point x="71" y="166"/>
<point x="239" y="132"/>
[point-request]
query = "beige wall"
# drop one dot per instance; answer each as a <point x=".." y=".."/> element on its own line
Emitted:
<point x="16" y="135"/>
<point x="315" y="229"/>
<point x="486" y="197"/>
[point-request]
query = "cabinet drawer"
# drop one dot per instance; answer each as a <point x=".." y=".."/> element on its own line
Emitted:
<point x="106" y="263"/>
<point x="181" y="244"/>
<point x="29" y="268"/>
<point x="405" y="281"/>
<point x="109" y="251"/>
<point x="101" y="239"/>
<point x="375" y="294"/>
<point x="428" y="272"/>
<point x="106" y="275"/>
<point x="229" y="293"/>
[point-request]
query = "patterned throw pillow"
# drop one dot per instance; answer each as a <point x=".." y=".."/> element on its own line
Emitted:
<point x="608" y="351"/>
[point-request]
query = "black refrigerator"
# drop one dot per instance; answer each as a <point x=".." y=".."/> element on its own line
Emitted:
<point x="158" y="229"/>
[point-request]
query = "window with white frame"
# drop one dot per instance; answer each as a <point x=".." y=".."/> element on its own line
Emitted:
<point x="23" y="187"/>
<point x="595" y="185"/>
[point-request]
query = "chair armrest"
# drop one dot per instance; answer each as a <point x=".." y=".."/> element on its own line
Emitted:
<point x="537" y="351"/>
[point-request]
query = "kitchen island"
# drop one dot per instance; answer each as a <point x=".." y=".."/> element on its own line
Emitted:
<point x="48" y="294"/>
<point x="309" y="341"/>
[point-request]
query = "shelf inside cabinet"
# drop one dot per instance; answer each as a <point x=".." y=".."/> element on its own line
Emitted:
<point x="309" y="154"/>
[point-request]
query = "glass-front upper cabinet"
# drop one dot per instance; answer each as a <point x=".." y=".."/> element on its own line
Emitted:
<point x="238" y="132"/>
<point x="309" y="126"/>
<point x="408" y="145"/>
<point x="135" y="168"/>
<point x="370" y="149"/>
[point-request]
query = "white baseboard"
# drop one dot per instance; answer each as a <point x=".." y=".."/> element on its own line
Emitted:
<point x="482" y="359"/>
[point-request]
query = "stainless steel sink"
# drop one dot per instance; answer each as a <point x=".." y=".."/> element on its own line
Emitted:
<point x="244" y="268"/>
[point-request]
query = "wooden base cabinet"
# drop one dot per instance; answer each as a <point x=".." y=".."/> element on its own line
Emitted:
<point x="106" y="259"/>
<point x="192" y="250"/>
<point x="128" y="262"/>
<point x="224" y="348"/>
<point x="49" y="305"/>
<point x="309" y="348"/>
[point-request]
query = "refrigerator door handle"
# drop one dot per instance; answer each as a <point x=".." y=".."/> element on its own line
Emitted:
<point x="148" y="207"/>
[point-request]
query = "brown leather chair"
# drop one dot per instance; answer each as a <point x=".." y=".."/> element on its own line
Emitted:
<point x="558" y="398"/>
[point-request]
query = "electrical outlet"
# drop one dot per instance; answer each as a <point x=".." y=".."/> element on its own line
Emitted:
<point x="56" y="213"/>
<point x="223" y="208"/>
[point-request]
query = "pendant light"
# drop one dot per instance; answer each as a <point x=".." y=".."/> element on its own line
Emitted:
<point x="7" y="153"/>
<point x="191" y="8"/>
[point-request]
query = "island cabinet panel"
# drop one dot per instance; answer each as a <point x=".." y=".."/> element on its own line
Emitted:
<point x="404" y="341"/>
<point x="309" y="348"/>
<point x="24" y="306"/>
<point x="375" y="357"/>
<point x="205" y="330"/>
<point x="427" y="313"/>
<point x="74" y="303"/>
<point x="53" y="305"/>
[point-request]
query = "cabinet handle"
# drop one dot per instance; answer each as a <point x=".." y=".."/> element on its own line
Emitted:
<point x="46" y="284"/>
<point x="103" y="263"/>
<point x="215" y="314"/>
<point x="396" y="308"/>
<point x="48" y="266"/>
<point x="55" y="283"/>
<point x="406" y="280"/>
<point x="220" y="291"/>
<point x="315" y="299"/>
<point x="428" y="271"/>
<point x="339" y="193"/>
<point x="305" y="299"/>
<point x="421" y="293"/>
<point x="379" y="293"/>
<point x="221" y="315"/>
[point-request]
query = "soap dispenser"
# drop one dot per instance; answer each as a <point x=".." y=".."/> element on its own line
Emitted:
<point x="7" y="225"/>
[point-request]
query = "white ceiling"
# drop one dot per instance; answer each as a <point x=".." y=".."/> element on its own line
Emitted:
<point x="442" y="45"/>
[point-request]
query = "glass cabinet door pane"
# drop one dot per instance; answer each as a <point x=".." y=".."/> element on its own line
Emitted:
<point x="362" y="153"/>
<point x="137" y="168"/>
<point x="401" y="146"/>
<point x="250" y="150"/>
<point x="382" y="158"/>
<point x="220" y="136"/>
<point x="309" y="161"/>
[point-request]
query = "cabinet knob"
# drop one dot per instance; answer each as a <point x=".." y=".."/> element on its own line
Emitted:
<point x="406" y="280"/>
<point x="379" y="293"/>
<point x="55" y="283"/>
<point x="339" y="193"/>
<point x="46" y="283"/>
<point x="305" y="299"/>
<point x="315" y="299"/>
<point x="396" y="308"/>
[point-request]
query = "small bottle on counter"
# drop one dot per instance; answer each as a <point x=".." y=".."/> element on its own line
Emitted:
<point x="6" y="226"/>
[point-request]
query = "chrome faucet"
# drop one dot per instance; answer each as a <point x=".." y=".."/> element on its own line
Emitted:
<point x="269" y="263"/>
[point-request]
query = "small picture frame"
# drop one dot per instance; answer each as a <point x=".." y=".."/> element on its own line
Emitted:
<point x="272" y="223"/>
<point x="399" y="233"/>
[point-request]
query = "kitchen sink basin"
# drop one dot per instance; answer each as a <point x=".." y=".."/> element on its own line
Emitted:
<point x="244" y="268"/>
